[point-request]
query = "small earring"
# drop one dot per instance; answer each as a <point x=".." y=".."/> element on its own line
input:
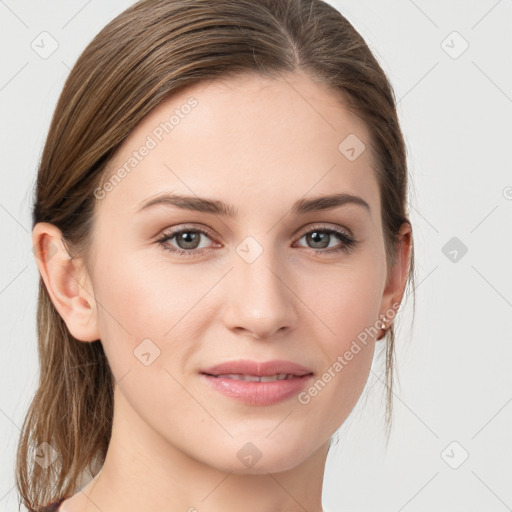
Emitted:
<point x="383" y="327"/>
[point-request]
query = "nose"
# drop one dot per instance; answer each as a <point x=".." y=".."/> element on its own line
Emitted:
<point x="261" y="302"/>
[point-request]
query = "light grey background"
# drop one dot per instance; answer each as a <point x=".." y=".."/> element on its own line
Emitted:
<point x="454" y="395"/>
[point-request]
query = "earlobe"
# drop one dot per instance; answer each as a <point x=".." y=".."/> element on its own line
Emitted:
<point x="66" y="281"/>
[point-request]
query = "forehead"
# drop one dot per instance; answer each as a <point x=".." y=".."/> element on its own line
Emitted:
<point x="238" y="137"/>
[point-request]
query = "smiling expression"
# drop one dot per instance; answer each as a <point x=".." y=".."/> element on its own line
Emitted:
<point x="244" y="233"/>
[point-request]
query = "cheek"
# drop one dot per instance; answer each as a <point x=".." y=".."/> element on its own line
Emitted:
<point x="348" y="356"/>
<point x="144" y="300"/>
<point x="160" y="302"/>
<point x="145" y="322"/>
<point x="346" y="301"/>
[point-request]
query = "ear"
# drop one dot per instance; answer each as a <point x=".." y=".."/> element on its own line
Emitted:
<point x="397" y="276"/>
<point x="67" y="282"/>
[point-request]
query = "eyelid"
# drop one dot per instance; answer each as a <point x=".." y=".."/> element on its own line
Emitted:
<point x="299" y="233"/>
<point x="327" y="227"/>
<point x="186" y="227"/>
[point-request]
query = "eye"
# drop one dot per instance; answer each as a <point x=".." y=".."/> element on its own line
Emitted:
<point x="321" y="236"/>
<point x="188" y="240"/>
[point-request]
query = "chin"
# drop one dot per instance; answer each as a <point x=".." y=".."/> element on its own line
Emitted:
<point x="259" y="457"/>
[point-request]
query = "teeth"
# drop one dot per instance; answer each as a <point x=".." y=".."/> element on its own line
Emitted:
<point x="254" y="378"/>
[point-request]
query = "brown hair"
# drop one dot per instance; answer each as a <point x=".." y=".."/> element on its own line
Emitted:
<point x="147" y="53"/>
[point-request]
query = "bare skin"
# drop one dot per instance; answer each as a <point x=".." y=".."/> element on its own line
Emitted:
<point x="259" y="145"/>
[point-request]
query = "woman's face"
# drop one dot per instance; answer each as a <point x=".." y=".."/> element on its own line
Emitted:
<point x="268" y="282"/>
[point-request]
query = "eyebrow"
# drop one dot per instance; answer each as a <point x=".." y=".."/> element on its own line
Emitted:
<point x="204" y="205"/>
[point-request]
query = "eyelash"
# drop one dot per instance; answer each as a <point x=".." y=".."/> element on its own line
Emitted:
<point x="348" y="242"/>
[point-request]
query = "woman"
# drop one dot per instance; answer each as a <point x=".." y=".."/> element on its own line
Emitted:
<point x="220" y="225"/>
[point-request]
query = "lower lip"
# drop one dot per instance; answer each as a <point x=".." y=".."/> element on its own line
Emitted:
<point x="258" y="393"/>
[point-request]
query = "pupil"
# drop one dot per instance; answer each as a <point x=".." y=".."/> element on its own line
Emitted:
<point x="319" y="237"/>
<point x="188" y="238"/>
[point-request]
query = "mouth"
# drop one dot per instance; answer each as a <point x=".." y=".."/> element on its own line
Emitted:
<point x="255" y="383"/>
<point x="256" y="378"/>
<point x="246" y="369"/>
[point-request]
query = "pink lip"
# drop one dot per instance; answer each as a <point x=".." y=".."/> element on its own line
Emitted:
<point x="259" y="369"/>
<point x="257" y="393"/>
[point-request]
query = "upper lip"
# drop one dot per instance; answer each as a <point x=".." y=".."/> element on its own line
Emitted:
<point x="257" y="368"/>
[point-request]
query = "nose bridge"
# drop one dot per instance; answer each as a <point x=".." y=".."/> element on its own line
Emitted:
<point x="261" y="301"/>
